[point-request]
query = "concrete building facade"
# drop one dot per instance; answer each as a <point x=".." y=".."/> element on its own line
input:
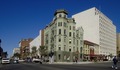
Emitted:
<point x="98" y="29"/>
<point x="37" y="42"/>
<point x="25" y="47"/>
<point x="63" y="38"/>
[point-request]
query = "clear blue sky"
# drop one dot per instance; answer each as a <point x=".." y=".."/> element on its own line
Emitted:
<point x="24" y="18"/>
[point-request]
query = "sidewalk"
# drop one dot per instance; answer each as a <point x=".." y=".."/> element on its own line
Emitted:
<point x="82" y="62"/>
<point x="71" y="62"/>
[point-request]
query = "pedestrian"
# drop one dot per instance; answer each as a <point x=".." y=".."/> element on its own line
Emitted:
<point x="115" y="60"/>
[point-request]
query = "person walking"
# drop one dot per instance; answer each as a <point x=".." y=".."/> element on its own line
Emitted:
<point x="115" y="63"/>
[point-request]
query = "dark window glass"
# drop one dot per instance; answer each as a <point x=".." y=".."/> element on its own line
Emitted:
<point x="59" y="31"/>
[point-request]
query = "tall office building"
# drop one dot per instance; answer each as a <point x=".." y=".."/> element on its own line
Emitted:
<point x="98" y="29"/>
<point x="63" y="38"/>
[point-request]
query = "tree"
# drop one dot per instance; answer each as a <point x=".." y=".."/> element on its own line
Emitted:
<point x="16" y="55"/>
<point x="43" y="51"/>
<point x="34" y="50"/>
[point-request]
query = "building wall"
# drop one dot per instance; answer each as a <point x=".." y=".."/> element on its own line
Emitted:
<point x="89" y="21"/>
<point x="23" y="44"/>
<point x="36" y="43"/>
<point x="62" y="37"/>
<point x="98" y="29"/>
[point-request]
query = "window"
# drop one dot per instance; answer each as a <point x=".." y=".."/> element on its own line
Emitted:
<point x="59" y="56"/>
<point x="70" y="41"/>
<point x="59" y="31"/>
<point x="70" y="27"/>
<point x="60" y="15"/>
<point x="70" y="34"/>
<point x="59" y="23"/>
<point x="64" y="24"/>
<point x="59" y="40"/>
<point x="64" y="39"/>
<point x="64" y="31"/>
<point x="69" y="50"/>
<point x="59" y="48"/>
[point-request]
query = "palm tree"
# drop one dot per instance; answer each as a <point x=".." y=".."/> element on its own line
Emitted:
<point x="34" y="50"/>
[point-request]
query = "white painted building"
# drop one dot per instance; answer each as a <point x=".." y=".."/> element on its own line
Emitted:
<point x="36" y="43"/>
<point x="16" y="50"/>
<point x="62" y="37"/>
<point x="98" y="29"/>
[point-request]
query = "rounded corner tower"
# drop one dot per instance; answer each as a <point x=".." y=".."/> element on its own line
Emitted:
<point x="61" y="13"/>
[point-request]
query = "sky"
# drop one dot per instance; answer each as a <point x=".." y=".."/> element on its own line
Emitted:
<point x="22" y="19"/>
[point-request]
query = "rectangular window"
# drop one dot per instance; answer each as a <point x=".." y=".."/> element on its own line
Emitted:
<point x="58" y="23"/>
<point x="59" y="48"/>
<point x="59" y="40"/>
<point x="64" y="24"/>
<point x="70" y="27"/>
<point x="59" y="31"/>
<point x="70" y="34"/>
<point x="64" y="31"/>
<point x="70" y="41"/>
<point x="69" y="50"/>
<point x="59" y="56"/>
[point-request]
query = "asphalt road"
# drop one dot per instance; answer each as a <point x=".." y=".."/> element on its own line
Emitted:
<point x="29" y="66"/>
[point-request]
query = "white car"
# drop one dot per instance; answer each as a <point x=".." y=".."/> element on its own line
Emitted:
<point x="37" y="60"/>
<point x="5" y="61"/>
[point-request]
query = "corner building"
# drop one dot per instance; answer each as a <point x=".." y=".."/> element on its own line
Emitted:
<point x="98" y="29"/>
<point x="63" y="38"/>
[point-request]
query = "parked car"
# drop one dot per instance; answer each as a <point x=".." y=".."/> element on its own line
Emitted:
<point x="5" y="61"/>
<point x="37" y="60"/>
<point x="105" y="59"/>
<point x="16" y="61"/>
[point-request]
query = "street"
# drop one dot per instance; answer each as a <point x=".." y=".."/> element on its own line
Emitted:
<point x="35" y="66"/>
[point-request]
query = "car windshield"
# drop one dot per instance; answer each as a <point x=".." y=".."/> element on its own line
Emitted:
<point x="5" y="59"/>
